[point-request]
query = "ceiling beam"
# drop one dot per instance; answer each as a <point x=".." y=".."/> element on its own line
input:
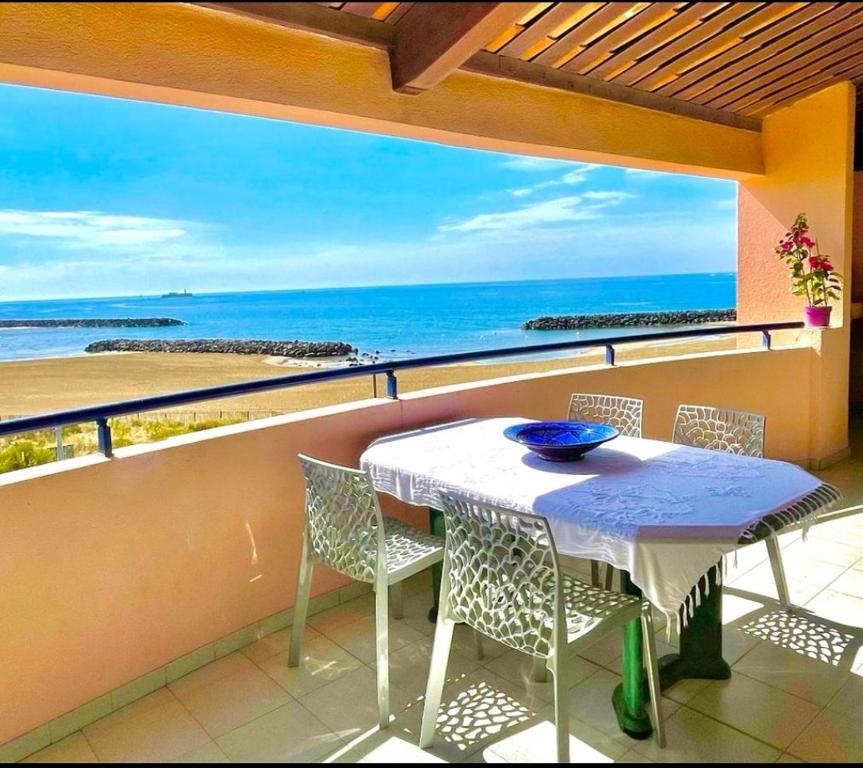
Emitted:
<point x="434" y="39"/>
<point x="534" y="74"/>
<point x="313" y="18"/>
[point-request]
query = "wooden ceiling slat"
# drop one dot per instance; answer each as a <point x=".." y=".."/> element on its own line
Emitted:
<point x="707" y="29"/>
<point x="401" y="10"/>
<point x="679" y="24"/>
<point x="852" y="67"/>
<point x="817" y="64"/>
<point x="602" y="21"/>
<point x="543" y="28"/>
<point x="818" y="32"/>
<point x="709" y="73"/>
<point x="810" y="51"/>
<point x="604" y="47"/>
<point x="721" y="43"/>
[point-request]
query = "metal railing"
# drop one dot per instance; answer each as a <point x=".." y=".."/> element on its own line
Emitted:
<point x="101" y="413"/>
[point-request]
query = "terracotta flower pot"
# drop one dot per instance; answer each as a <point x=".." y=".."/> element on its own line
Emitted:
<point x="817" y="317"/>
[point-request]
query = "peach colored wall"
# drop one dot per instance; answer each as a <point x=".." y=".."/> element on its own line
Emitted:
<point x="808" y="161"/>
<point x="174" y="53"/>
<point x="857" y="245"/>
<point x="114" y="567"/>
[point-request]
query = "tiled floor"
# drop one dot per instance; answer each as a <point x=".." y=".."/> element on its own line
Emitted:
<point x="796" y="692"/>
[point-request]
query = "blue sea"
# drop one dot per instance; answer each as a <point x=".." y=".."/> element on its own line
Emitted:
<point x="392" y="321"/>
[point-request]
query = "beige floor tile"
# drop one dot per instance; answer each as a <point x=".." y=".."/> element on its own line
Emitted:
<point x="605" y="650"/>
<point x="345" y="613"/>
<point x="691" y="736"/>
<point x="849" y="583"/>
<point x="384" y="747"/>
<point x="834" y="552"/>
<point x="358" y="637"/>
<point x="288" y="734"/>
<point x="349" y="706"/>
<point x="155" y="729"/>
<point x="831" y="738"/>
<point x="786" y="758"/>
<point x="683" y="690"/>
<point x="737" y="610"/>
<point x="228" y="693"/>
<point x="72" y="749"/>
<point x="797" y="674"/>
<point x="463" y="641"/>
<point x="757" y="709"/>
<point x="209" y="753"/>
<point x="634" y="757"/>
<point x="409" y="667"/>
<point x="849" y="699"/>
<point x="321" y="662"/>
<point x="839" y="607"/>
<point x="517" y="668"/>
<point x="275" y="643"/>
<point x="806" y="577"/>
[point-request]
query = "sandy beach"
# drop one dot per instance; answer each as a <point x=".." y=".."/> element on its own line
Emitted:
<point x="38" y="386"/>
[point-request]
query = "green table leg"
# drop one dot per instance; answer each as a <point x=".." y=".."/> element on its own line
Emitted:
<point x="436" y="526"/>
<point x="700" y="654"/>
<point x="630" y="695"/>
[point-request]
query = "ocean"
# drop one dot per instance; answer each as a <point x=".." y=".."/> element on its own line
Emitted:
<point x="392" y="321"/>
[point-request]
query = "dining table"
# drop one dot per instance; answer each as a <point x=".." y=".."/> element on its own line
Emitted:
<point x="664" y="515"/>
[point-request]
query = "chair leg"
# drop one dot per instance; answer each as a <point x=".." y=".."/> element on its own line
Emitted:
<point x="437" y="675"/>
<point x="609" y="576"/>
<point x="647" y="630"/>
<point x="775" y="554"/>
<point x="301" y="607"/>
<point x="477" y="646"/>
<point x="382" y="631"/>
<point x="561" y="707"/>
<point x="539" y="671"/>
<point x="397" y="609"/>
<point x="594" y="573"/>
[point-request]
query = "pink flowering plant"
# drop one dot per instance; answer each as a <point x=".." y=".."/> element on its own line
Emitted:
<point x="812" y="274"/>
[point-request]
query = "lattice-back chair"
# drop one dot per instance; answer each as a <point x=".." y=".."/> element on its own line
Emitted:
<point x="741" y="432"/>
<point x="501" y="576"/>
<point x="346" y="531"/>
<point x="623" y="413"/>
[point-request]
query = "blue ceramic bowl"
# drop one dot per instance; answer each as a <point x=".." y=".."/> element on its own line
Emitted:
<point x="561" y="440"/>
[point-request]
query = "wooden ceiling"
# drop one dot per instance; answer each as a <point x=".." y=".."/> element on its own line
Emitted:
<point x="734" y="62"/>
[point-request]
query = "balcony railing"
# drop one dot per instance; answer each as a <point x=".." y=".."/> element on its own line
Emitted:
<point x="100" y="414"/>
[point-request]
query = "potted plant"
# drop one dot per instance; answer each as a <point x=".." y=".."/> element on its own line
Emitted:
<point x="812" y="274"/>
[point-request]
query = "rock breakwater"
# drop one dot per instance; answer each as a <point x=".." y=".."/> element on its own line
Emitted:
<point x="630" y="320"/>
<point x="298" y="349"/>
<point x="120" y="322"/>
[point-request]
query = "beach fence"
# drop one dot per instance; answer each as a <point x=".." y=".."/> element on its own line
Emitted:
<point x="66" y="450"/>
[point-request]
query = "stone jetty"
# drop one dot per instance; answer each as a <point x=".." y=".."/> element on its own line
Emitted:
<point x="630" y="320"/>
<point x="294" y="348"/>
<point x="88" y="322"/>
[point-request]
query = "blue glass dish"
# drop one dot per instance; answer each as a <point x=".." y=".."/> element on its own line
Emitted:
<point x="561" y="440"/>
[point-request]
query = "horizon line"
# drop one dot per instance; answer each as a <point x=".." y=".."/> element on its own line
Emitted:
<point x="366" y="287"/>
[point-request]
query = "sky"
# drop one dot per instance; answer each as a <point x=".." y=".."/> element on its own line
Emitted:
<point x="108" y="197"/>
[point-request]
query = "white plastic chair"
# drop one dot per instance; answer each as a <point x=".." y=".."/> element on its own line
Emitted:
<point x="741" y="432"/>
<point x="623" y="413"/>
<point x="346" y="531"/>
<point x="501" y="576"/>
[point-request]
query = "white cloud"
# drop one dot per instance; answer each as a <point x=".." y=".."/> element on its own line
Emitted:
<point x="533" y="164"/>
<point x="560" y="209"/>
<point x="91" y="229"/>
<point x="576" y="175"/>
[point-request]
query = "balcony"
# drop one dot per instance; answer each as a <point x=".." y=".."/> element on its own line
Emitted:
<point x="794" y="695"/>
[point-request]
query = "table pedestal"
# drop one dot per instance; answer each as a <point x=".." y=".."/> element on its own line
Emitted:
<point x="700" y="658"/>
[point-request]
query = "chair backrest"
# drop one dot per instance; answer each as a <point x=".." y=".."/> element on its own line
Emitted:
<point x="719" y="429"/>
<point x="502" y="573"/>
<point x="344" y="525"/>
<point x="623" y="413"/>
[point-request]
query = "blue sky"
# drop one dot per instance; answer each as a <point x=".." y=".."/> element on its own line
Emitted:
<point x="104" y="197"/>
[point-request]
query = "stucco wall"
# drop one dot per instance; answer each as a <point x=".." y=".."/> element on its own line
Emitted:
<point x="114" y="567"/>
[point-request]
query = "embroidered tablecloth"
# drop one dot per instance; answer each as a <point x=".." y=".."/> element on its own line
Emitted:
<point x="665" y="513"/>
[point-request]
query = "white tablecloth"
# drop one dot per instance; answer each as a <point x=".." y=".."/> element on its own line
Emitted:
<point x="663" y="512"/>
